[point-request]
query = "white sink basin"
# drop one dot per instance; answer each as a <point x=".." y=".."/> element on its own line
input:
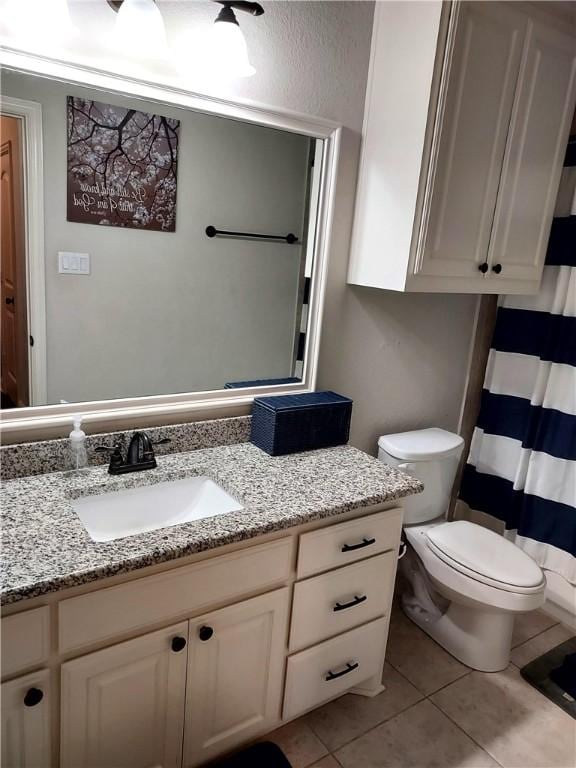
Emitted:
<point x="115" y="515"/>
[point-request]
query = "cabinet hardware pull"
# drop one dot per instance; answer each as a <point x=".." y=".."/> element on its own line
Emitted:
<point x="9" y="299"/>
<point x="178" y="644"/>
<point x="483" y="267"/>
<point x="343" y="606"/>
<point x="33" y="696"/>
<point x="497" y="268"/>
<point x="205" y="633"/>
<point x="350" y="667"/>
<point x="361" y="545"/>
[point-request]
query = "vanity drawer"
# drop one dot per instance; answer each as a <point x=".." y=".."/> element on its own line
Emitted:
<point x="25" y="640"/>
<point x="334" y="602"/>
<point x="327" y="670"/>
<point x="345" y="543"/>
<point x="107" y="613"/>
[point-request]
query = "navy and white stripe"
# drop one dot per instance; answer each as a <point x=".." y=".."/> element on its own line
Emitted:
<point x="522" y="463"/>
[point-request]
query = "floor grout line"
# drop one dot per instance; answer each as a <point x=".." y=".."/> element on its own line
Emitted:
<point x="403" y="676"/>
<point x="466" y="671"/>
<point x="519" y="645"/>
<point x="469" y="671"/>
<point x="465" y="732"/>
<point x="360" y="735"/>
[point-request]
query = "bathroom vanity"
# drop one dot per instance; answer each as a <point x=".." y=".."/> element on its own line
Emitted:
<point x="173" y="646"/>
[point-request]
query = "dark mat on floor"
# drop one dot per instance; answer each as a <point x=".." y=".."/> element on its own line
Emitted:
<point x="264" y="755"/>
<point x="554" y="675"/>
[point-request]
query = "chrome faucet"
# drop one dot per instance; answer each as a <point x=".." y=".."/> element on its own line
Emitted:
<point x="140" y="454"/>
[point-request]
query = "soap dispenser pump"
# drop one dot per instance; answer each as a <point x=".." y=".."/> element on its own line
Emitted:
<point x="78" y="453"/>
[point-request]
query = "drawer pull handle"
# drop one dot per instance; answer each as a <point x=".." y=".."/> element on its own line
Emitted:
<point x="343" y="606"/>
<point x="335" y="675"/>
<point x="360" y="545"/>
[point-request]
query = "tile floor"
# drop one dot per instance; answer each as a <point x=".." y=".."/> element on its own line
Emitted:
<point x="437" y="713"/>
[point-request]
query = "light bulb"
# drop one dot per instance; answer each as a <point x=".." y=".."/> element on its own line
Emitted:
<point x="37" y="23"/>
<point x="216" y="52"/>
<point x="229" y="50"/>
<point x="139" y="29"/>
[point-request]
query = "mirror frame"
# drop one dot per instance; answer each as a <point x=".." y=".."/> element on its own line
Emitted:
<point x="47" y="421"/>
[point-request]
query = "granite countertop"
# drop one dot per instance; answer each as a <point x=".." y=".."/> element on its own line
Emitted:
<point x="46" y="548"/>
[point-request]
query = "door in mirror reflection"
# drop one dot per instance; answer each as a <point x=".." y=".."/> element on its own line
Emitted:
<point x="14" y="332"/>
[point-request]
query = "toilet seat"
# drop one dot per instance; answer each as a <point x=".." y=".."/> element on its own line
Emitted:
<point x="485" y="556"/>
<point x="463" y="584"/>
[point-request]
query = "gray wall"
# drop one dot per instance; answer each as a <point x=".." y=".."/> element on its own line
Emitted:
<point x="174" y="312"/>
<point x="402" y="358"/>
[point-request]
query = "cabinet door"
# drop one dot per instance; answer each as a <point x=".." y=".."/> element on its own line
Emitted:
<point x="123" y="707"/>
<point x="537" y="140"/>
<point x="26" y="739"/>
<point x="235" y="670"/>
<point x="469" y="148"/>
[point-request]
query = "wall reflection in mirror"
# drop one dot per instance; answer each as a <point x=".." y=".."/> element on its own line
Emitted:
<point x="145" y="291"/>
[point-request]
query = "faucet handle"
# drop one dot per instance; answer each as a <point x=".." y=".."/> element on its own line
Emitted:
<point x="162" y="442"/>
<point x="108" y="448"/>
<point x="114" y="451"/>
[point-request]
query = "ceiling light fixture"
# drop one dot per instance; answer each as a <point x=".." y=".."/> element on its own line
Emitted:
<point x="229" y="49"/>
<point x="139" y="28"/>
<point x="221" y="53"/>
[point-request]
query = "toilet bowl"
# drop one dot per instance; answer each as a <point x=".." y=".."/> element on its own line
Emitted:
<point x="465" y="583"/>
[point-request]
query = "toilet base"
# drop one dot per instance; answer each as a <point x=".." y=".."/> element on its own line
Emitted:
<point x="481" y="639"/>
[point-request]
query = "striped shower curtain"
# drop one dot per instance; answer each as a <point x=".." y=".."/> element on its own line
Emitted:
<point x="522" y="463"/>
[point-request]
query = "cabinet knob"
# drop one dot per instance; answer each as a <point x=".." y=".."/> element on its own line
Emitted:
<point x="205" y="633"/>
<point x="178" y="644"/>
<point x="497" y="268"/>
<point x="33" y="696"/>
<point x="483" y="267"/>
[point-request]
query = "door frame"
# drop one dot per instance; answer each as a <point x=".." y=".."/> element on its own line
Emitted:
<point x="29" y="113"/>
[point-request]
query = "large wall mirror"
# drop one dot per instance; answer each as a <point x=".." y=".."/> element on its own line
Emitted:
<point x="176" y="252"/>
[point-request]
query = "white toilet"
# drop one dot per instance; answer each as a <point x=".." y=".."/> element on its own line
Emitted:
<point x="466" y="582"/>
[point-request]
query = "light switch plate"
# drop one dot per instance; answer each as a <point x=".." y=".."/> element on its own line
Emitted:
<point x="71" y="263"/>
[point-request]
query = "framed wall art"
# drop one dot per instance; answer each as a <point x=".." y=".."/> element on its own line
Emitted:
<point x="122" y="166"/>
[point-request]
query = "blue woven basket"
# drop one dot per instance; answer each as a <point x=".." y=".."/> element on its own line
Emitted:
<point x="292" y="423"/>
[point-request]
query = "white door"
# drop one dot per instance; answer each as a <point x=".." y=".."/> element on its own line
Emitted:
<point x="123" y="707"/>
<point x="479" y="97"/>
<point x="235" y="670"/>
<point x="26" y="739"/>
<point x="537" y="141"/>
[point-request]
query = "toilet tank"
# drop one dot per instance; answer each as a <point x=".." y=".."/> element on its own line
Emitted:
<point x="432" y="455"/>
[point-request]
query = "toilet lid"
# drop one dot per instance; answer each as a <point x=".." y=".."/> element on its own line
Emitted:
<point x="484" y="552"/>
<point x="421" y="444"/>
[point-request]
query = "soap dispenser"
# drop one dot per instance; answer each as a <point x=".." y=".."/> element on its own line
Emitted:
<point x="78" y="453"/>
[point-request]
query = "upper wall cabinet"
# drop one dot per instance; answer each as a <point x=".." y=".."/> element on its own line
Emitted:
<point x="468" y="111"/>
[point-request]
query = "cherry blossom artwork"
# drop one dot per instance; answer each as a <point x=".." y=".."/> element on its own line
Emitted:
<point x="122" y="166"/>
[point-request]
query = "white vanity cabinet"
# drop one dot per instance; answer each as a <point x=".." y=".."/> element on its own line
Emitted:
<point x="179" y="665"/>
<point x="26" y="721"/>
<point x="212" y="682"/>
<point x="124" y="705"/>
<point x="235" y="671"/>
<point x="467" y="117"/>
